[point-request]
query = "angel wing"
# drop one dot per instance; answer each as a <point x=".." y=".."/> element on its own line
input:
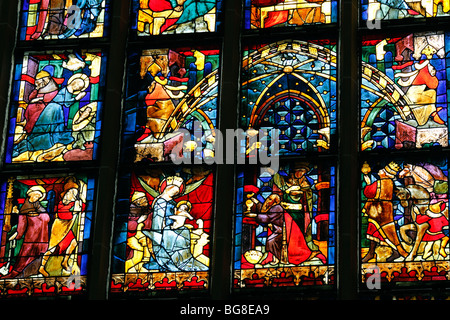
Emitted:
<point x="192" y="186"/>
<point x="154" y="193"/>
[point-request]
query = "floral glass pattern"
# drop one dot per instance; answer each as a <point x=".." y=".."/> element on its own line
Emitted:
<point x="163" y="230"/>
<point x="285" y="226"/>
<point x="56" y="106"/>
<point x="45" y="230"/>
<point x="63" y="19"/>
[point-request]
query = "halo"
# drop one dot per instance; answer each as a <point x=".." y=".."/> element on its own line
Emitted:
<point x="38" y="188"/>
<point x="172" y="180"/>
<point x="83" y="77"/>
<point x="77" y="126"/>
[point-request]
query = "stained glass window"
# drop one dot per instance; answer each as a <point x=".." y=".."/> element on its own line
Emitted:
<point x="285" y="226"/>
<point x="400" y="9"/>
<point x="261" y="14"/>
<point x="163" y="230"/>
<point x="285" y="214"/>
<point x="404" y="99"/>
<point x="291" y="86"/>
<point x="170" y="92"/>
<point x="56" y="105"/>
<point x="45" y="234"/>
<point x="154" y="17"/>
<point x="63" y="19"/>
<point x="404" y="221"/>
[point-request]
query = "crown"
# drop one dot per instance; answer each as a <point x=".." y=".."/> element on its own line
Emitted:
<point x="392" y="168"/>
<point x="137" y="195"/>
<point x="172" y="180"/>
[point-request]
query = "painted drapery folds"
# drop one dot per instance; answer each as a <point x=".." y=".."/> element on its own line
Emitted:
<point x="285" y="226"/>
<point x="45" y="229"/>
<point x="63" y="19"/>
<point x="290" y="86"/>
<point x="401" y="9"/>
<point x="261" y="14"/>
<point x="155" y="17"/>
<point x="171" y="92"/>
<point x="404" y="225"/>
<point x="163" y="230"/>
<point x="56" y="105"/>
<point x="404" y="99"/>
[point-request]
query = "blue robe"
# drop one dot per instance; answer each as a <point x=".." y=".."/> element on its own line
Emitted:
<point x="192" y="9"/>
<point x="172" y="247"/>
<point x="50" y="127"/>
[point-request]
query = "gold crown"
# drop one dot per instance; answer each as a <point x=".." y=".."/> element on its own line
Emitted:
<point x="172" y="180"/>
<point x="137" y="195"/>
<point x="392" y="168"/>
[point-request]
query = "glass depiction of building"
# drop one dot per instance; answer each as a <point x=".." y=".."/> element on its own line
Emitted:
<point x="116" y="177"/>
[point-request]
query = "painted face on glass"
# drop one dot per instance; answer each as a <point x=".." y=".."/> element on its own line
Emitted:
<point x="41" y="83"/>
<point x="34" y="196"/>
<point x="70" y="196"/>
<point x="171" y="191"/>
<point x="75" y="85"/>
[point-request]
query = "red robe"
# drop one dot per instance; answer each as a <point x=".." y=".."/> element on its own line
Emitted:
<point x="379" y="208"/>
<point x="274" y="17"/>
<point x="35" y="109"/>
<point x="298" y="250"/>
<point x="437" y="223"/>
<point x="33" y="229"/>
<point x="65" y="213"/>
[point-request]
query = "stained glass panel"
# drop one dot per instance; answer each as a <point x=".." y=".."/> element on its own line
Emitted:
<point x="169" y="92"/>
<point x="400" y="9"/>
<point x="63" y="19"/>
<point x="404" y="223"/>
<point x="57" y="99"/>
<point x="261" y="14"/>
<point x="163" y="230"/>
<point x="285" y="226"/>
<point x="404" y="99"/>
<point x="45" y="230"/>
<point x="154" y="17"/>
<point x="291" y="86"/>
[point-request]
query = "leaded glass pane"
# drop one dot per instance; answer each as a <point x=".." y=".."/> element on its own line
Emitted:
<point x="285" y="226"/>
<point x="171" y="93"/>
<point x="404" y="221"/>
<point x="401" y="9"/>
<point x="404" y="99"/>
<point x="45" y="234"/>
<point x="57" y="99"/>
<point x="155" y="17"/>
<point x="290" y="86"/>
<point x="163" y="230"/>
<point x="262" y="14"/>
<point x="63" y="19"/>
